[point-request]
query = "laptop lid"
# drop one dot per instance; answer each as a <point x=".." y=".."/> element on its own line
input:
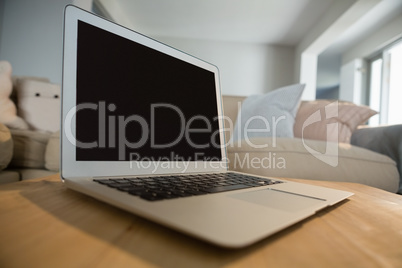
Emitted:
<point x="132" y="105"/>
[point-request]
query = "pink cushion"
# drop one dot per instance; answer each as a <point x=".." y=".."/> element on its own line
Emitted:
<point x="330" y="120"/>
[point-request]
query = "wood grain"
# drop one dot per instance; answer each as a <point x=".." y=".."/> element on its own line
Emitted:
<point x="44" y="224"/>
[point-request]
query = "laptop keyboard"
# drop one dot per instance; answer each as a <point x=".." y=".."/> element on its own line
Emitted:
<point x="174" y="186"/>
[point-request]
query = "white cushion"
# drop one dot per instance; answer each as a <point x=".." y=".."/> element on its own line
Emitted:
<point x="272" y="114"/>
<point x="52" y="154"/>
<point x="289" y="158"/>
<point x="39" y="104"/>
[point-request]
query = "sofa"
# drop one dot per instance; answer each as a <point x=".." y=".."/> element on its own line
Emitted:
<point x="366" y="155"/>
<point x="27" y="154"/>
<point x="34" y="152"/>
<point x="29" y="126"/>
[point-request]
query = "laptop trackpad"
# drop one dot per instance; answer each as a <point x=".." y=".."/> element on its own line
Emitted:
<point x="281" y="200"/>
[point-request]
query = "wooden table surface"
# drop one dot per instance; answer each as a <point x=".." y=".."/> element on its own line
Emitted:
<point x="44" y="224"/>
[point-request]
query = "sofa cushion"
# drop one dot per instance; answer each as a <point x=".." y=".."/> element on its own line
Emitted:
<point x="29" y="148"/>
<point x="32" y="173"/>
<point x="7" y="176"/>
<point x="289" y="158"/>
<point x="272" y="114"/>
<point x="52" y="154"/>
<point x="6" y="146"/>
<point x="39" y="104"/>
<point x="18" y="79"/>
<point x="330" y="120"/>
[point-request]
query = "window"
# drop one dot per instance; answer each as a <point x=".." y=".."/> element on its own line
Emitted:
<point x="385" y="82"/>
<point x="375" y="89"/>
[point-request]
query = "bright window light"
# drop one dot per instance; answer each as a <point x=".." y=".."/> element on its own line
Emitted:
<point x="395" y="85"/>
<point x="375" y="90"/>
<point x="386" y="86"/>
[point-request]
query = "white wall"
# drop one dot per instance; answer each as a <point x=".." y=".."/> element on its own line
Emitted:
<point x="351" y="82"/>
<point x="339" y="17"/>
<point x="321" y="36"/>
<point x="245" y="68"/>
<point x="31" y="39"/>
<point x="328" y="71"/>
<point x="376" y="41"/>
<point x="32" y="36"/>
<point x="1" y="18"/>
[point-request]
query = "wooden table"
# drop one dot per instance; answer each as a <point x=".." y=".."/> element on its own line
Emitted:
<point x="44" y="224"/>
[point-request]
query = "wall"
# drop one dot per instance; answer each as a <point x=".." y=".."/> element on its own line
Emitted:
<point x="353" y="60"/>
<point x="337" y="18"/>
<point x="1" y="18"/>
<point x="245" y="68"/>
<point x="328" y="76"/>
<point x="351" y="82"/>
<point x="336" y="21"/>
<point x="376" y="41"/>
<point x="31" y="39"/>
<point x="31" y="36"/>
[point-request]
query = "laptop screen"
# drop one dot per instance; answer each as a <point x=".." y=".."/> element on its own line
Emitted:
<point x="135" y="103"/>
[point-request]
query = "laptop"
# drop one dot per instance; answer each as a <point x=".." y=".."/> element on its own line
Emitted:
<point x="143" y="130"/>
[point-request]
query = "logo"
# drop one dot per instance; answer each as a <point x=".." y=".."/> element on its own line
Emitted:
<point x="330" y="156"/>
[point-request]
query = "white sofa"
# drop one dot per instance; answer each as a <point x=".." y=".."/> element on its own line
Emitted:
<point x="289" y="157"/>
<point x="29" y="146"/>
<point x="27" y="154"/>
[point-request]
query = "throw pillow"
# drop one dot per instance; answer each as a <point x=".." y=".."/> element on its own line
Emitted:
<point x="330" y="120"/>
<point x="17" y="79"/>
<point x="269" y="115"/>
<point x="39" y="104"/>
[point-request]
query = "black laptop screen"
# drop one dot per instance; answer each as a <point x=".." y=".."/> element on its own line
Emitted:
<point x="136" y="103"/>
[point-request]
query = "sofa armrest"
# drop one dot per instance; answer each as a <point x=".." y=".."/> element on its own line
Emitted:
<point x="6" y="146"/>
<point x="297" y="158"/>
<point x="29" y="148"/>
<point x="385" y="140"/>
<point x="52" y="154"/>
